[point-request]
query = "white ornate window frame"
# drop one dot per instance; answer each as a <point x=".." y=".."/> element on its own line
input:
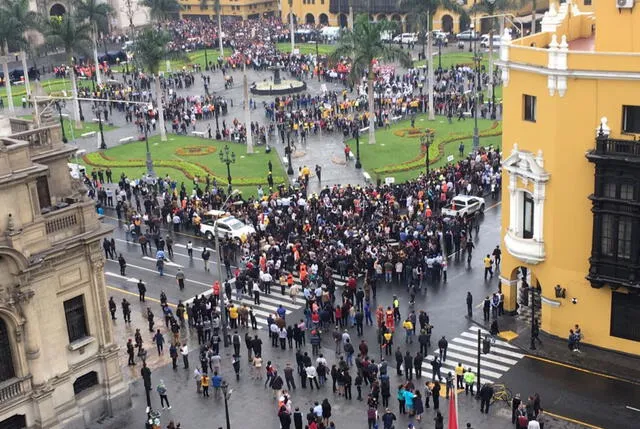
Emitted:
<point x="526" y="166"/>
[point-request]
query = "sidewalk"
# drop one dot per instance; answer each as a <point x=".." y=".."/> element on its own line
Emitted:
<point x="590" y="358"/>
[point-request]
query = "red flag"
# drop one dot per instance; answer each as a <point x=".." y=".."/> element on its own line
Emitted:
<point x="453" y="409"/>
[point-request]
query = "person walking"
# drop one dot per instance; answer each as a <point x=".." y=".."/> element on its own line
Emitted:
<point x="158" y="338"/>
<point x="162" y="391"/>
<point x="408" y="366"/>
<point x="206" y="254"/>
<point x="469" y="305"/>
<point x="435" y="393"/>
<point x="205" y="385"/>
<point x="180" y="279"/>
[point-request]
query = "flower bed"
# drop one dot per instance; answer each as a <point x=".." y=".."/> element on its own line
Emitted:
<point x="411" y="132"/>
<point x="418" y="161"/>
<point x="199" y="150"/>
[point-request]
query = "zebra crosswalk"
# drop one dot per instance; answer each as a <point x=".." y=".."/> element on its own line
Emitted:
<point x="464" y="349"/>
<point x="269" y="303"/>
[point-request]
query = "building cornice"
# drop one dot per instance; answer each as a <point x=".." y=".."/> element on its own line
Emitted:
<point x="578" y="74"/>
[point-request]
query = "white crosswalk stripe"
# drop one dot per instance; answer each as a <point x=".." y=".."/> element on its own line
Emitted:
<point x="269" y="303"/>
<point x="464" y="349"/>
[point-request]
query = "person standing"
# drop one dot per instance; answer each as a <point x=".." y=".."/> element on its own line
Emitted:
<point x="162" y="391"/>
<point x="184" y="351"/>
<point x="435" y="393"/>
<point x="469" y="305"/>
<point x="443" y="344"/>
<point x="206" y="254"/>
<point x="408" y="366"/>
<point x="205" y="385"/>
<point x="123" y="264"/>
<point x="319" y="172"/>
<point x="130" y="352"/>
<point x="142" y="290"/>
<point x="126" y="310"/>
<point x="190" y="249"/>
<point x="486" y="308"/>
<point x="469" y="381"/>
<point x="486" y="393"/>
<point x="459" y="376"/>
<point x="173" y="353"/>
<point x="112" y="308"/>
<point x="488" y="266"/>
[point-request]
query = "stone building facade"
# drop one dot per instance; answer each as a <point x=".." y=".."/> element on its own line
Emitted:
<point x="58" y="359"/>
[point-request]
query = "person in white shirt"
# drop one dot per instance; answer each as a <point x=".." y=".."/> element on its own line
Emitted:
<point x="184" y="351"/>
<point x="312" y="376"/>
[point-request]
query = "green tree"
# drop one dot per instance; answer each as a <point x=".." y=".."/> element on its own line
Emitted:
<point x="97" y="14"/>
<point x="15" y="20"/>
<point x="363" y="45"/>
<point x="161" y="10"/>
<point x="73" y="35"/>
<point x="151" y="50"/>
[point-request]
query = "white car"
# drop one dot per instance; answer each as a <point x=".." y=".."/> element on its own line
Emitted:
<point x="227" y="227"/>
<point x="406" y="38"/>
<point x="463" y="205"/>
<point x="484" y="41"/>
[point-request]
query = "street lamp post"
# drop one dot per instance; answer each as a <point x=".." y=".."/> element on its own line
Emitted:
<point x="98" y="114"/>
<point x="288" y="151"/>
<point x="64" y="135"/>
<point x="532" y="346"/>
<point x="217" y="113"/>
<point x="427" y="140"/>
<point x="356" y="134"/>
<point x="439" y="55"/>
<point x="471" y="37"/>
<point x="476" y="84"/>
<point x="206" y="62"/>
<point x="491" y="4"/>
<point x="228" y="157"/>
<point x="226" y="392"/>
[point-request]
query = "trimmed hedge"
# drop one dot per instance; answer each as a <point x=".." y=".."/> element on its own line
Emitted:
<point x="189" y="169"/>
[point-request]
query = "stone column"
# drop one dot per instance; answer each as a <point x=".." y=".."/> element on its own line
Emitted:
<point x="510" y="290"/>
<point x="103" y="334"/>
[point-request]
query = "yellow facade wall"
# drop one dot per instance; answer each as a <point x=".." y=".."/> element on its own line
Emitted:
<point x="565" y="130"/>
<point x="618" y="30"/>
<point x="236" y="8"/>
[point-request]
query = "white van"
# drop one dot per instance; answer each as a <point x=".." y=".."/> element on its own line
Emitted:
<point x="484" y="41"/>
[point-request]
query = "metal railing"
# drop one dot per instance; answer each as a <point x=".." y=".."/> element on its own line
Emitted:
<point x="605" y="146"/>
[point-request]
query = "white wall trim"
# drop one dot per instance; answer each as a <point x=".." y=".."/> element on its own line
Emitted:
<point x="577" y="74"/>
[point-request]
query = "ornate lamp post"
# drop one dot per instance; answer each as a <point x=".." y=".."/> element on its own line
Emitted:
<point x="98" y="113"/>
<point x="149" y="162"/>
<point x="228" y="157"/>
<point x="288" y="152"/>
<point x="64" y="135"/>
<point x="356" y="134"/>
<point x="477" y="58"/>
<point x="227" y="393"/>
<point x="427" y="140"/>
<point x="491" y="4"/>
<point x="439" y="55"/>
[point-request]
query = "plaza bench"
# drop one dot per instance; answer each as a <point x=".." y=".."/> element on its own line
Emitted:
<point x="367" y="177"/>
<point x="466" y="114"/>
<point x="198" y="134"/>
<point x="285" y="160"/>
<point x="89" y="134"/>
<point x="351" y="155"/>
<point x="364" y="130"/>
<point x="395" y="119"/>
<point x="126" y="139"/>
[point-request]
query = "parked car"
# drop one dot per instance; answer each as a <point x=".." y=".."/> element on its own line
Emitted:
<point x="484" y="41"/>
<point x="467" y="35"/>
<point x="228" y="226"/>
<point x="462" y="205"/>
<point x="440" y="37"/>
<point x="406" y="38"/>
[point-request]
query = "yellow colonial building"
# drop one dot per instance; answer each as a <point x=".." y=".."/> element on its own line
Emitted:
<point x="238" y="9"/>
<point x="571" y="171"/>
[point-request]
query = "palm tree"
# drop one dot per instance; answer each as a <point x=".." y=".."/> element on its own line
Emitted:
<point x="363" y="45"/>
<point x="15" y="20"/>
<point x="422" y="12"/>
<point x="151" y="50"/>
<point x="73" y="36"/>
<point x="161" y="10"/>
<point x="97" y="14"/>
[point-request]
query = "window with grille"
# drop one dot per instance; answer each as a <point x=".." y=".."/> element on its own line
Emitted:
<point x="85" y="382"/>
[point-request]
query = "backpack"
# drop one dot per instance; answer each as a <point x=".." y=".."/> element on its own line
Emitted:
<point x="523" y="422"/>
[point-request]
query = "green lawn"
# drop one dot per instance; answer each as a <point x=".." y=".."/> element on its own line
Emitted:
<point x="247" y="172"/>
<point x="196" y="57"/>
<point x="307" y="48"/>
<point x="455" y="58"/>
<point x="384" y="159"/>
<point x="53" y="85"/>
<point x="87" y="126"/>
